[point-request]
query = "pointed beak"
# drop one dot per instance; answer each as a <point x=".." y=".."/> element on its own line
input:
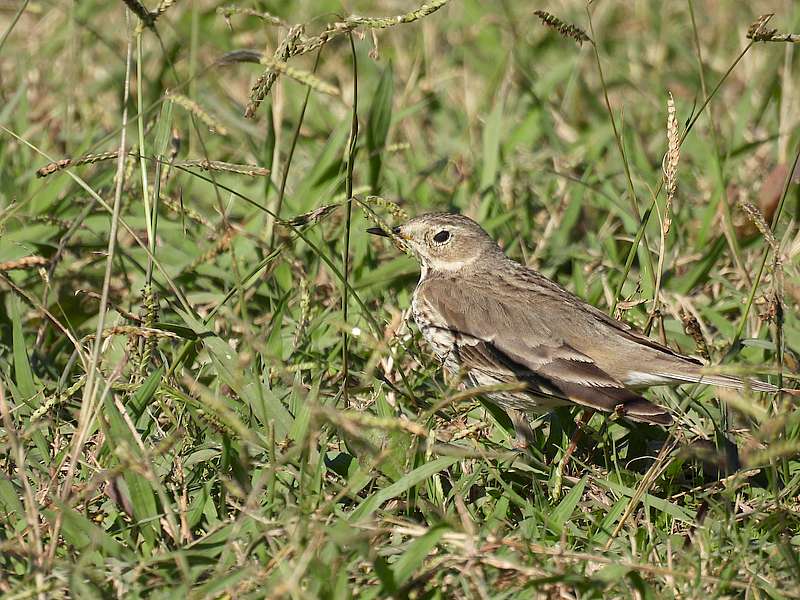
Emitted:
<point x="381" y="232"/>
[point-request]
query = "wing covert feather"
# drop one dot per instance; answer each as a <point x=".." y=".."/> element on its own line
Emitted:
<point x="504" y="339"/>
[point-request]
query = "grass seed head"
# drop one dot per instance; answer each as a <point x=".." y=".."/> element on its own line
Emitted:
<point x="264" y="83"/>
<point x="566" y="30"/>
<point x="146" y="17"/>
<point x="28" y="262"/>
<point x="304" y="77"/>
<point x="758" y="31"/>
<point x="193" y="107"/>
<point x="671" y="158"/>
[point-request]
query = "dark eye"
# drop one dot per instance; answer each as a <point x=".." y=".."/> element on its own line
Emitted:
<point x="442" y="236"/>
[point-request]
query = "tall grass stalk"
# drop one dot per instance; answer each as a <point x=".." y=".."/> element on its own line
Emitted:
<point x="90" y="402"/>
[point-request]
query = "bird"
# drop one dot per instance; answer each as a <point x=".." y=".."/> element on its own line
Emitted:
<point x="491" y="320"/>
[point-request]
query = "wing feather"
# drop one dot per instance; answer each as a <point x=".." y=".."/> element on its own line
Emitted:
<point x="499" y="339"/>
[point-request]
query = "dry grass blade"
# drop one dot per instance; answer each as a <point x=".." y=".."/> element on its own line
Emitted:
<point x="125" y="313"/>
<point x="566" y="30"/>
<point x="95" y="389"/>
<point x="654" y="472"/>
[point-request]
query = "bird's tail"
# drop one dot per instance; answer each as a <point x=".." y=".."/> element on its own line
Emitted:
<point x="642" y="411"/>
<point x="724" y="381"/>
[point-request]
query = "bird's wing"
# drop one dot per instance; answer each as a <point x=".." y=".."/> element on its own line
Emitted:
<point x="494" y="333"/>
<point x="650" y="363"/>
<point x="569" y="301"/>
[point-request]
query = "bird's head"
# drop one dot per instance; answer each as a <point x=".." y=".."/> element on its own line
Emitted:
<point x="444" y="241"/>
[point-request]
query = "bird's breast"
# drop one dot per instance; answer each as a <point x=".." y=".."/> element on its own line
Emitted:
<point x="433" y="329"/>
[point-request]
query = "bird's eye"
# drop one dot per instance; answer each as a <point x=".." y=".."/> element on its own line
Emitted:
<point x="442" y="236"/>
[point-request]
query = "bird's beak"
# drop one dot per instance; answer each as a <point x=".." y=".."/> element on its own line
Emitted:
<point x="381" y="232"/>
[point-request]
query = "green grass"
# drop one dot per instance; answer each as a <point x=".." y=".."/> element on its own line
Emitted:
<point x="255" y="420"/>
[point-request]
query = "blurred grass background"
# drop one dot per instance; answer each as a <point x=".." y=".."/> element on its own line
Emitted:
<point x="256" y="420"/>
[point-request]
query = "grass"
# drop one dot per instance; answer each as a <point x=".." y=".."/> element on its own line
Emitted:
<point x="207" y="385"/>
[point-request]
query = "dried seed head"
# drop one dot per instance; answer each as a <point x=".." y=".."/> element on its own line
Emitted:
<point x="198" y="111"/>
<point x="758" y="31"/>
<point x="145" y="332"/>
<point x="305" y="312"/>
<point x="146" y="18"/>
<point x="264" y="83"/>
<point x="221" y="246"/>
<point x="86" y="159"/>
<point x="53" y="167"/>
<point x="758" y="220"/>
<point x="27" y="262"/>
<point x="393" y="208"/>
<point x="566" y="30"/>
<point x="218" y="165"/>
<point x="304" y="77"/>
<point x="227" y="11"/>
<point x="671" y="158"/>
<point x="163" y="7"/>
<point x="310" y="217"/>
<point x="240" y="56"/>
<point x="692" y="327"/>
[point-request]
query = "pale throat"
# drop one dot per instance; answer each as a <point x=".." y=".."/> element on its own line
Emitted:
<point x="427" y="264"/>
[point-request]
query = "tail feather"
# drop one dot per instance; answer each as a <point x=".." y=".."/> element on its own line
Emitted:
<point x="725" y="381"/>
<point x="619" y="400"/>
<point x="646" y="412"/>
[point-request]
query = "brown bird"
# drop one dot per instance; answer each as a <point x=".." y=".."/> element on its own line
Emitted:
<point x="495" y="321"/>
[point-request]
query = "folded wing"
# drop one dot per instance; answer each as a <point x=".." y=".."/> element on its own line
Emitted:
<point x="503" y="340"/>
